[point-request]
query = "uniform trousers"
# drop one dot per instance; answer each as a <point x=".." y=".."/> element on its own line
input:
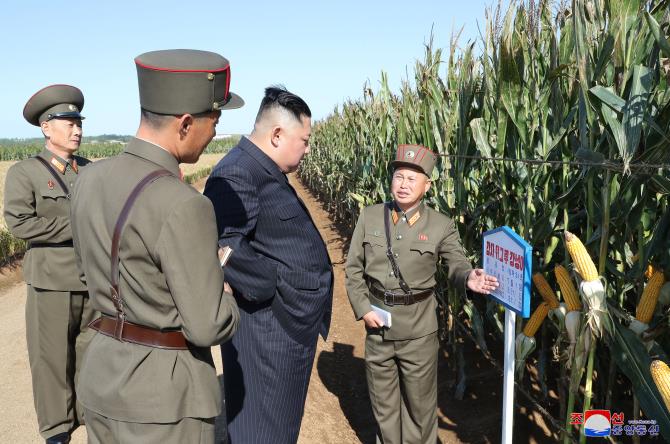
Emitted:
<point x="402" y="381"/>
<point x="266" y="376"/>
<point x="57" y="334"/>
<point x="103" y="430"/>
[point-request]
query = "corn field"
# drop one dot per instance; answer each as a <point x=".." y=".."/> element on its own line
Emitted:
<point x="21" y="150"/>
<point x="555" y="122"/>
<point x="11" y="246"/>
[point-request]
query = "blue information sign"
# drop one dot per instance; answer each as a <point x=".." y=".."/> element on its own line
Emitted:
<point x="509" y="258"/>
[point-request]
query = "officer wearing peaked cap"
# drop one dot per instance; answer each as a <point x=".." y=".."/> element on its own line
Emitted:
<point x="391" y="265"/>
<point x="37" y="210"/>
<point x="148" y="249"/>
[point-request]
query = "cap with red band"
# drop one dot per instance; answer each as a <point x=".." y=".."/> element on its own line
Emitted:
<point x="184" y="81"/>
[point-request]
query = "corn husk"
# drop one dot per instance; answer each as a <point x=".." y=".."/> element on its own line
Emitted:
<point x="577" y="362"/>
<point x="597" y="316"/>
<point x="664" y="297"/>
<point x="557" y="315"/>
<point x="573" y="324"/>
<point x="524" y="347"/>
<point x="639" y="328"/>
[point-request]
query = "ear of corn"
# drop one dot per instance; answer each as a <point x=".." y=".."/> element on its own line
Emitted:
<point x="645" y="309"/>
<point x="568" y="290"/>
<point x="536" y="320"/>
<point x="580" y="257"/>
<point x="545" y="290"/>
<point x="661" y="375"/>
<point x="649" y="272"/>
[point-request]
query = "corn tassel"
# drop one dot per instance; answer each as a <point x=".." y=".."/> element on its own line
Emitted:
<point x="536" y="319"/>
<point x="580" y="257"/>
<point x="645" y="309"/>
<point x="545" y="290"/>
<point x="661" y="375"/>
<point x="568" y="290"/>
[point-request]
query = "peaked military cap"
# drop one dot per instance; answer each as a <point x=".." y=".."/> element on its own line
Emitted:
<point x="415" y="156"/>
<point x="55" y="101"/>
<point x="181" y="81"/>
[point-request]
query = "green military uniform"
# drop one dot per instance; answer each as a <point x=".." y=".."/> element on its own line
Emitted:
<point x="170" y="279"/>
<point x="401" y="361"/>
<point x="37" y="210"/>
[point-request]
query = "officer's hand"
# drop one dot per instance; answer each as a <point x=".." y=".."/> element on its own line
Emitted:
<point x="481" y="282"/>
<point x="372" y="320"/>
<point x="227" y="288"/>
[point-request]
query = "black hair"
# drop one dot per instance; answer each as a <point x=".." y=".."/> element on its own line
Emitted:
<point x="155" y="120"/>
<point x="278" y="96"/>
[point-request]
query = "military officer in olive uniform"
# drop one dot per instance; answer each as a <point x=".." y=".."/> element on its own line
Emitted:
<point x="401" y="359"/>
<point x="148" y="245"/>
<point x="37" y="210"/>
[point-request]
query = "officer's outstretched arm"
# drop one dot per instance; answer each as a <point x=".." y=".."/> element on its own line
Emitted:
<point x="451" y="250"/>
<point x="357" y="289"/>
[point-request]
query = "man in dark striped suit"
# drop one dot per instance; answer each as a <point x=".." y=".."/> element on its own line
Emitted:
<point x="279" y="271"/>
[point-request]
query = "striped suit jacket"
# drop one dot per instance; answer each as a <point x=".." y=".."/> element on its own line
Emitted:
<point x="279" y="257"/>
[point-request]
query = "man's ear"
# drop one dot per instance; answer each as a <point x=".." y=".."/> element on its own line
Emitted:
<point x="428" y="182"/>
<point x="185" y="123"/>
<point x="275" y="136"/>
<point x="44" y="126"/>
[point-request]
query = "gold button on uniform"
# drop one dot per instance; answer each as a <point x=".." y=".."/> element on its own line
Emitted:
<point x="399" y="237"/>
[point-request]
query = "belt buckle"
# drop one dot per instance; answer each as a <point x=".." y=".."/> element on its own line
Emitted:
<point x="388" y="298"/>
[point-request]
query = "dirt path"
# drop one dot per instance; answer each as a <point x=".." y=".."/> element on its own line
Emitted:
<point x="337" y="410"/>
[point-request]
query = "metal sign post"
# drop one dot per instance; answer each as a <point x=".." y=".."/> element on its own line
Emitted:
<point x="509" y="258"/>
<point x="508" y="379"/>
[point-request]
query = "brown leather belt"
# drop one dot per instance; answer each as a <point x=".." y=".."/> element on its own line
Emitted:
<point x="139" y="334"/>
<point x="392" y="298"/>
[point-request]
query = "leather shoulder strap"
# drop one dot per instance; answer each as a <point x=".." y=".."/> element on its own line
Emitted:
<point x="389" y="252"/>
<point x="116" y="240"/>
<point x="55" y="175"/>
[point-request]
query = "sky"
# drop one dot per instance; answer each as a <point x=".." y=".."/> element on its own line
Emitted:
<point x="324" y="51"/>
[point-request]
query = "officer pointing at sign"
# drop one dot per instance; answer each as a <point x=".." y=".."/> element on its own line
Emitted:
<point x="37" y="210"/>
<point x="390" y="279"/>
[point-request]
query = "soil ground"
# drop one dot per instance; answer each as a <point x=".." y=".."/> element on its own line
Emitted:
<point x="338" y="408"/>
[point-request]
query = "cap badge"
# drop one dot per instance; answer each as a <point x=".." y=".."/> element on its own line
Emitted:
<point x="409" y="155"/>
<point x="73" y="108"/>
<point x="50" y="184"/>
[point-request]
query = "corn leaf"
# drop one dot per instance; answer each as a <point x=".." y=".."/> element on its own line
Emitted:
<point x="633" y="360"/>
